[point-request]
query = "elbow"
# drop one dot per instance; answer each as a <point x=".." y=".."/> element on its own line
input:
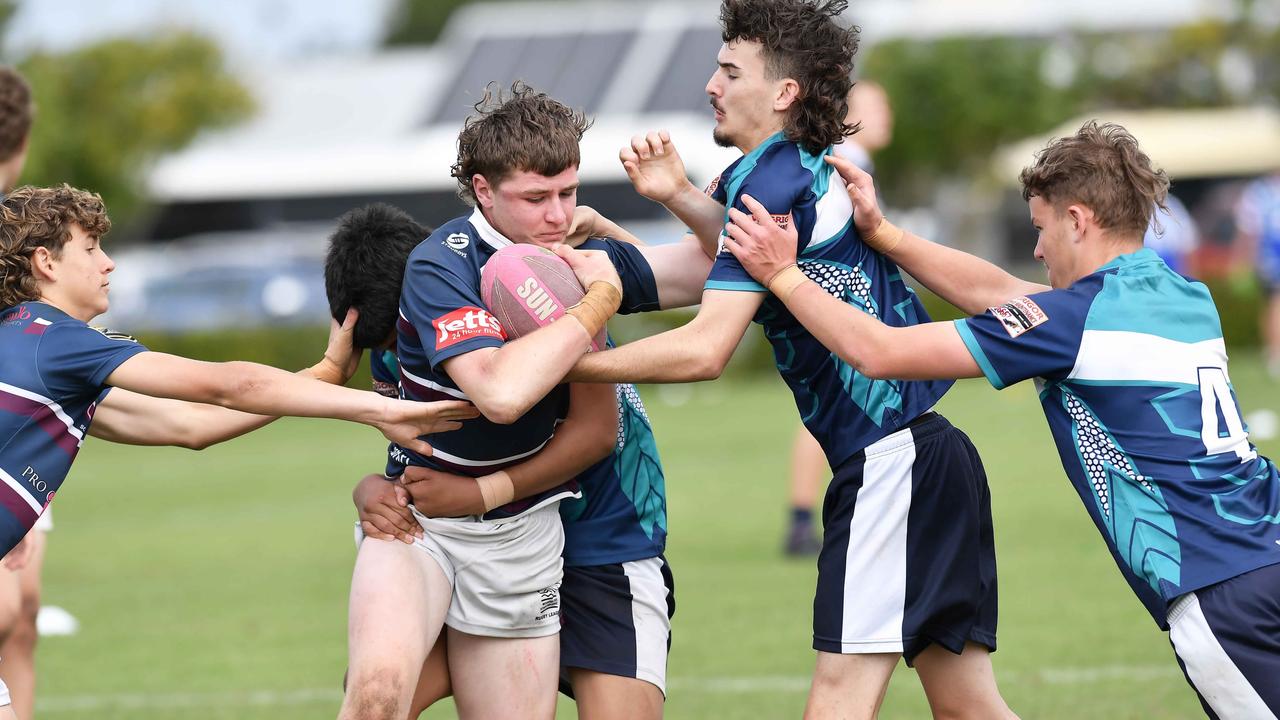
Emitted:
<point x="196" y="443"/>
<point x="602" y="443"/>
<point x="501" y="409"/>
<point x="708" y="366"/>
<point x="868" y="362"/>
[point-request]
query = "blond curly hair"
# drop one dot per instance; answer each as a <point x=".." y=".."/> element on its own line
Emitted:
<point x="32" y="217"/>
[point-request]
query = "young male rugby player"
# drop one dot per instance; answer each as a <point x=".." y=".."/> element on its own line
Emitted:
<point x="617" y="592"/>
<point x="907" y="567"/>
<point x="492" y="577"/>
<point x="61" y="378"/>
<point x="1131" y="368"/>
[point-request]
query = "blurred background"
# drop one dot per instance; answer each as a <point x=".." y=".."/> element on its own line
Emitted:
<point x="226" y="137"/>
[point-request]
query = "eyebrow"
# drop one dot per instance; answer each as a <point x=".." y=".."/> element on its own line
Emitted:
<point x="726" y="64"/>
<point x="543" y="191"/>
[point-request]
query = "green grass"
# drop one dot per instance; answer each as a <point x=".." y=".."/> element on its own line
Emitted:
<point x="214" y="585"/>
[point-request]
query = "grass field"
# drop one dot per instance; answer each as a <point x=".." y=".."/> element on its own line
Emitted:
<point x="214" y="585"/>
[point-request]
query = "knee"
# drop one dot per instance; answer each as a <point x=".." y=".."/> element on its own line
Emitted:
<point x="374" y="696"/>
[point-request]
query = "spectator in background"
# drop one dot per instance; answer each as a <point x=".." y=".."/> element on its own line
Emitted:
<point x="1258" y="225"/>
<point x="870" y="110"/>
<point x="1174" y="236"/>
<point x="19" y="589"/>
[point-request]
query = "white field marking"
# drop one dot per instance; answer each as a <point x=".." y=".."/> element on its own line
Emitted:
<point x="725" y="685"/>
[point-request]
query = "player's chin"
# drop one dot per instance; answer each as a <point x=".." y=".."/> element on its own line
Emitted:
<point x="548" y="241"/>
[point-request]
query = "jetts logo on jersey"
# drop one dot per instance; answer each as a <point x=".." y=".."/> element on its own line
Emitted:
<point x="458" y="243"/>
<point x="466" y="323"/>
<point x="1019" y="315"/>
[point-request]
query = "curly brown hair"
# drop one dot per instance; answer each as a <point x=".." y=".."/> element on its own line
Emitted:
<point x="1102" y="168"/>
<point x="801" y="40"/>
<point x="16" y="110"/>
<point x="32" y="217"/>
<point x="525" y="130"/>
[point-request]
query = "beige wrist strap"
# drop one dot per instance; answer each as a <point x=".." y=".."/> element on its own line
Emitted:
<point x="496" y="489"/>
<point x="596" y="307"/>
<point x="886" y="236"/>
<point x="326" y="371"/>
<point x="785" y="281"/>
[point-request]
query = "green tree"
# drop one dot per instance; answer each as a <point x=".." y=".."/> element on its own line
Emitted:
<point x="955" y="101"/>
<point x="107" y="110"/>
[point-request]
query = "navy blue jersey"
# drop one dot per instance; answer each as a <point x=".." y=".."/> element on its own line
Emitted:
<point x="53" y="373"/>
<point x="843" y="409"/>
<point x="1132" y="373"/>
<point x="442" y="316"/>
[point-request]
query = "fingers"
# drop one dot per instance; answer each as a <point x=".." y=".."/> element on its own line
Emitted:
<point x="402" y="496"/>
<point x="455" y="410"/>
<point x="849" y="171"/>
<point x="349" y="322"/>
<point x="758" y="211"/>
<point x="644" y="147"/>
<point x="422" y="447"/>
<point x="370" y="531"/>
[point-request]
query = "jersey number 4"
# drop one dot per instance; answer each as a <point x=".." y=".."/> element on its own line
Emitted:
<point x="1217" y="403"/>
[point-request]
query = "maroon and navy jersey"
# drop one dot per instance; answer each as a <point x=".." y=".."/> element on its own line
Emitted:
<point x="442" y="316"/>
<point x="845" y="410"/>
<point x="53" y="373"/>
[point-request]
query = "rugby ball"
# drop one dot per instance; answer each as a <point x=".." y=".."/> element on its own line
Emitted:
<point x="527" y="287"/>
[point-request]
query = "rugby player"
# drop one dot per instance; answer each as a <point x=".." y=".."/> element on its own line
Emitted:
<point x="20" y="589"/>
<point x="56" y="371"/>
<point x="617" y="591"/>
<point x="907" y="567"/>
<point x="517" y="164"/>
<point x="1130" y="365"/>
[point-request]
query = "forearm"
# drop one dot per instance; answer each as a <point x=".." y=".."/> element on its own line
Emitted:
<point x="514" y="377"/>
<point x="675" y="356"/>
<point x="966" y="281"/>
<point x="586" y="437"/>
<point x="701" y="214"/>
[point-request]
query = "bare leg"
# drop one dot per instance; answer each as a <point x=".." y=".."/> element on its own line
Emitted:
<point x="961" y="686"/>
<point x="399" y="597"/>
<point x="18" y="651"/>
<point x="433" y="681"/>
<point x="808" y="470"/>
<point x="504" y="677"/>
<point x="849" y="687"/>
<point x="612" y="697"/>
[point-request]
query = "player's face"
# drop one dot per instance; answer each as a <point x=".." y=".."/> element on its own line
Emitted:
<point x="742" y="97"/>
<point x="530" y="208"/>
<point x="80" y="276"/>
<point x="1055" y="243"/>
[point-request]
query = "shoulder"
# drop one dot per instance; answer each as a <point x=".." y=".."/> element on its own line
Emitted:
<point x="452" y="245"/>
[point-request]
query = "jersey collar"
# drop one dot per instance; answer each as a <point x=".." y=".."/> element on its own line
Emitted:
<point x="491" y="237"/>
<point x="1139" y="257"/>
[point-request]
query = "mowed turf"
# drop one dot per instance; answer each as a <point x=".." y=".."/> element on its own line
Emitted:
<point x="214" y="584"/>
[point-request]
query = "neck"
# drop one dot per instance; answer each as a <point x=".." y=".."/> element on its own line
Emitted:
<point x="1110" y="249"/>
<point x="54" y="299"/>
<point x="755" y="139"/>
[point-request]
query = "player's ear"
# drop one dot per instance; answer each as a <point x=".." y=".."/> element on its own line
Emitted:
<point x="42" y="263"/>
<point x="788" y="93"/>
<point x="483" y="190"/>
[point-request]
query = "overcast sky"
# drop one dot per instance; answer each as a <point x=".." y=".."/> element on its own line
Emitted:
<point x="247" y="29"/>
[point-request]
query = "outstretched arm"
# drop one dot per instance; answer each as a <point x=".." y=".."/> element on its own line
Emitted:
<point x="587" y="435"/>
<point x="135" y="419"/>
<point x="698" y="350"/>
<point x="966" y="281"/>
<point x="262" y="390"/>
<point x="657" y="172"/>
<point x="918" y="352"/>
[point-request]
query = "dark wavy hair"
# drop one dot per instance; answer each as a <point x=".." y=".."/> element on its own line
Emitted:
<point x="16" y="111"/>
<point x="1102" y="168"/>
<point x="801" y="40"/>
<point x="364" y="268"/>
<point x="525" y="130"/>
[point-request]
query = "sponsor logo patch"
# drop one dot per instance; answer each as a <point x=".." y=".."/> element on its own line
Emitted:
<point x="783" y="221"/>
<point x="458" y="242"/>
<point x="17" y="316"/>
<point x="1019" y="315"/>
<point x="464" y="324"/>
<point x="107" y="332"/>
<point x="715" y="183"/>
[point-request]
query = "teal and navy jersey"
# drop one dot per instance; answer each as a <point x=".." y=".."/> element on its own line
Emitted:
<point x="843" y="409"/>
<point x="622" y="513"/>
<point x="442" y="316"/>
<point x="1258" y="215"/>
<point x="1132" y="373"/>
<point x="53" y="373"/>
